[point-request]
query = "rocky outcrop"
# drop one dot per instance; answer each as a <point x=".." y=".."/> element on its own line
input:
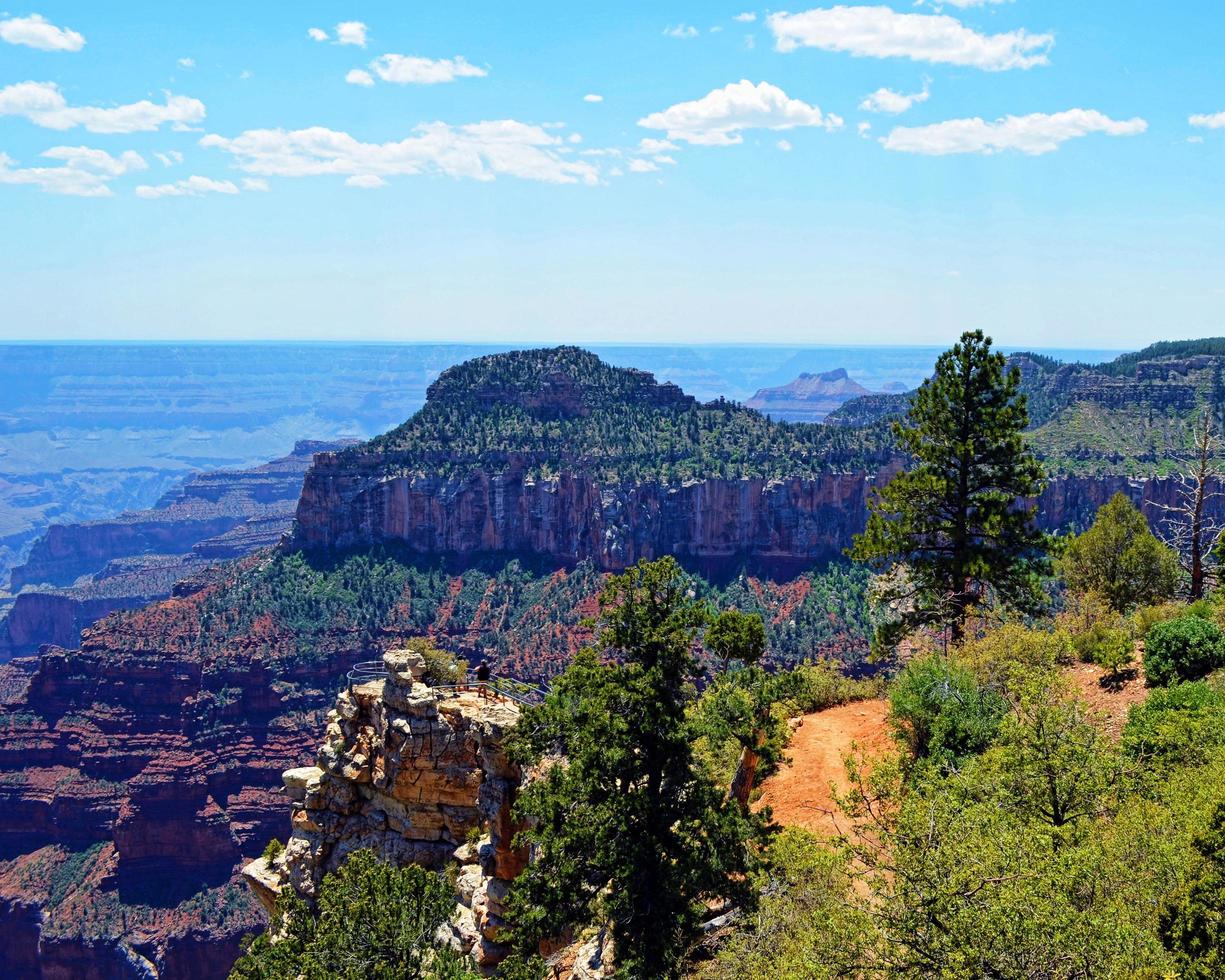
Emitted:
<point x="779" y="525"/>
<point x="409" y="773"/>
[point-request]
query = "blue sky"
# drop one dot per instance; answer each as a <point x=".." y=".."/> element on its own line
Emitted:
<point x="442" y="174"/>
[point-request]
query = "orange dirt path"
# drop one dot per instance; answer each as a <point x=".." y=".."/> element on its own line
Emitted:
<point x="799" y="793"/>
<point x="1109" y="701"/>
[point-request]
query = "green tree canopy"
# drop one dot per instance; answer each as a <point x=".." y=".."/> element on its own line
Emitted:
<point x="373" y="922"/>
<point x="626" y="829"/>
<point x="1120" y="558"/>
<point x="953" y="518"/>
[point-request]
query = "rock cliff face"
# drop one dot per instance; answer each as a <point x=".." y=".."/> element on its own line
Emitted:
<point x="206" y="506"/>
<point x="86" y="571"/>
<point x="150" y="773"/>
<point x="410" y="772"/>
<point x="783" y="525"/>
<point x="779" y="527"/>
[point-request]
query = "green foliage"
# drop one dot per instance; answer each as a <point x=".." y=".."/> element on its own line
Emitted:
<point x="627" y="830"/>
<point x="1180" y="725"/>
<point x="952" y="518"/>
<point x="273" y="850"/>
<point x="1146" y="617"/>
<point x="1057" y="768"/>
<point x="736" y="636"/>
<point x="442" y="667"/>
<point x="1121" y="559"/>
<point x="565" y="409"/>
<point x="822" y="685"/>
<point x="373" y="922"/>
<point x="1110" y="647"/>
<point x="802" y="884"/>
<point x="1184" y="649"/>
<point x="1125" y="364"/>
<point x="1193" y="925"/>
<point x="941" y="712"/>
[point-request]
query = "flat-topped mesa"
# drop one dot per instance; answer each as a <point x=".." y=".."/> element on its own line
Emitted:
<point x="558" y="455"/>
<point x="412" y="773"/>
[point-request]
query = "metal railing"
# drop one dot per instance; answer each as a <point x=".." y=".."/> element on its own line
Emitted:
<point x="513" y="689"/>
<point x="367" y="670"/>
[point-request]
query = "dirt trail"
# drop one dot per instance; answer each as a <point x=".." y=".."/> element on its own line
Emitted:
<point x="1109" y="700"/>
<point x="799" y="793"/>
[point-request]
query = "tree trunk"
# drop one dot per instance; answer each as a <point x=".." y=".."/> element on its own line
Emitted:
<point x="746" y="770"/>
<point x="1197" y="513"/>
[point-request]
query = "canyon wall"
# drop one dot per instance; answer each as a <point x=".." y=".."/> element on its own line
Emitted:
<point x="77" y="573"/>
<point x="138" y="777"/>
<point x="780" y="527"/>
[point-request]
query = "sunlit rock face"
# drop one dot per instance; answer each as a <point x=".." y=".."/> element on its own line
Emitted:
<point x="411" y="773"/>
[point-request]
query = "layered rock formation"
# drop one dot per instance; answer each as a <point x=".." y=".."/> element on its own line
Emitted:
<point x="206" y="506"/>
<point x="779" y="525"/>
<point x="77" y="573"/>
<point x="409" y="773"/>
<point x="138" y="775"/>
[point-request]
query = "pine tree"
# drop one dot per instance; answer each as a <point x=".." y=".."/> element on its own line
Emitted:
<point x="627" y="831"/>
<point x="955" y="519"/>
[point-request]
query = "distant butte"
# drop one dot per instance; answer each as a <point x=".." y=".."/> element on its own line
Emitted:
<point x="809" y="398"/>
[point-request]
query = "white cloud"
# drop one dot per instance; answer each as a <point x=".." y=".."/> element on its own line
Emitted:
<point x="718" y="118"/>
<point x="351" y="32"/>
<point x="784" y="145"/>
<point x="639" y="166"/>
<point x="894" y="103"/>
<point x="367" y="182"/>
<point x="187" y="63"/>
<point x="650" y="145"/>
<point x="1034" y="135"/>
<point x="1214" y="120"/>
<point x="38" y="32"/>
<point x="592" y="97"/>
<point x="864" y="129"/>
<point x="750" y="42"/>
<point x="44" y="105"/>
<point x="358" y="77"/>
<point x="746" y="18"/>
<point x="1195" y="139"/>
<point x="963" y="4"/>
<point x="879" y="32"/>
<point x="84" y="172"/>
<point x="170" y="158"/>
<point x="682" y="31"/>
<point x="407" y="70"/>
<point x="664" y="159"/>
<point x="317" y="34"/>
<point x="479" y="151"/>
<point x="191" y="187"/>
<point x="257" y="184"/>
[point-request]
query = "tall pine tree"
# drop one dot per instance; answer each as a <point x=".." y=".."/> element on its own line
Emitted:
<point x="954" y="519"/>
<point x="626" y="830"/>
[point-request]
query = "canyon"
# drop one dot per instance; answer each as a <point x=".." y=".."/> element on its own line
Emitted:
<point x="75" y="574"/>
<point x="141" y="766"/>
